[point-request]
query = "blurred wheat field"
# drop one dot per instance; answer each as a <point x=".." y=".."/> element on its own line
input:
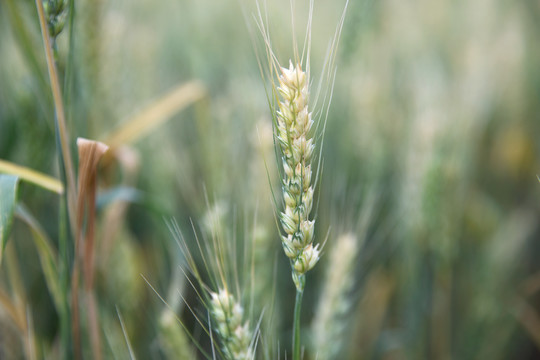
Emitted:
<point x="427" y="203"/>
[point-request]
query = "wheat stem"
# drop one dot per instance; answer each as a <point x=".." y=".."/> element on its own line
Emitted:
<point x="296" y="328"/>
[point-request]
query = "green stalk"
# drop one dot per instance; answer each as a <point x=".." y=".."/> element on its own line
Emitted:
<point x="70" y="188"/>
<point x="296" y="325"/>
<point x="64" y="273"/>
<point x="68" y="201"/>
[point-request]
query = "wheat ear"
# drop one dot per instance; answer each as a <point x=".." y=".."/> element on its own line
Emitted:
<point x="335" y="302"/>
<point x="235" y="335"/>
<point x="292" y="132"/>
<point x="293" y="135"/>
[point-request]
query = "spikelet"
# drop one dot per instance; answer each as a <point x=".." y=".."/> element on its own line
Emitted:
<point x="56" y="15"/>
<point x="235" y="335"/>
<point x="296" y="143"/>
<point x="329" y="323"/>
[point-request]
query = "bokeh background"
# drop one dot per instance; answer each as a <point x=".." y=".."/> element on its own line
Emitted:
<point x="431" y="156"/>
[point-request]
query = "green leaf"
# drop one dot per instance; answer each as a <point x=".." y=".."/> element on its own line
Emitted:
<point x="8" y="197"/>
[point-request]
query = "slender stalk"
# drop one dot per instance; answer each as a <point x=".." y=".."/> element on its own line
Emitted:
<point x="68" y="177"/>
<point x="60" y="115"/>
<point x="296" y="325"/>
<point x="64" y="273"/>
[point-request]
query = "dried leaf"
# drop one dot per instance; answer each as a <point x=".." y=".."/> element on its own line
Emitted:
<point x="90" y="152"/>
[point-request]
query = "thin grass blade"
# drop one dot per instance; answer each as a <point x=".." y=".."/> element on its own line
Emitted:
<point x="156" y="114"/>
<point x="46" y="253"/>
<point x="34" y="177"/>
<point x="8" y="198"/>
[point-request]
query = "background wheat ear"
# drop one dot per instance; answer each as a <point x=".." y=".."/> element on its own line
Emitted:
<point x="236" y="335"/>
<point x="335" y="300"/>
<point x="218" y="270"/>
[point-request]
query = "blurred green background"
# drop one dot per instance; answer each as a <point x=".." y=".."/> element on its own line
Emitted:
<point x="434" y="125"/>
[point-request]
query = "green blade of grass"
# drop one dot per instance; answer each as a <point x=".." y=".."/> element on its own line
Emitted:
<point x="46" y="253"/>
<point x="8" y="197"/>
